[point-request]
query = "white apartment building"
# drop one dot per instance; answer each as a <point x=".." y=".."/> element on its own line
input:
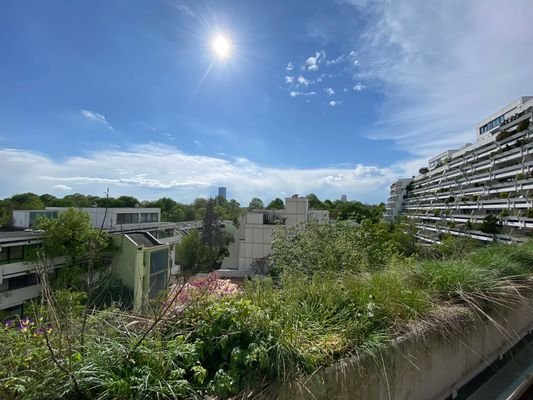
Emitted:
<point x="137" y="231"/>
<point x="253" y="238"/>
<point x="398" y="193"/>
<point x="458" y="189"/>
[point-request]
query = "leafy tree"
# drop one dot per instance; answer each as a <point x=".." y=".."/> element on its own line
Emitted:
<point x="48" y="200"/>
<point x="124" y="201"/>
<point x="189" y="251"/>
<point x="276" y="204"/>
<point x="27" y="201"/>
<point x="6" y="212"/>
<point x="256" y="204"/>
<point x="71" y="235"/>
<point x="491" y="224"/>
<point x="363" y="248"/>
<point x="314" y="202"/>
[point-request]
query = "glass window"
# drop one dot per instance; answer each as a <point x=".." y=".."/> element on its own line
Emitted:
<point x="23" y="281"/>
<point x="158" y="261"/>
<point x="15" y="254"/>
<point x="127" y="218"/>
<point x="4" y="255"/>
<point x="158" y="282"/>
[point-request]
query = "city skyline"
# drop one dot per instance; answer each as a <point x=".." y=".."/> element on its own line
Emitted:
<point x="332" y="98"/>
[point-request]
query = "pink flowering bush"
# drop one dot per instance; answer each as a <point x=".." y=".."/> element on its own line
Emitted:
<point x="210" y="286"/>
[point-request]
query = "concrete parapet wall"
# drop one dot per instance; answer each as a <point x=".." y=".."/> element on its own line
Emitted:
<point x="431" y="363"/>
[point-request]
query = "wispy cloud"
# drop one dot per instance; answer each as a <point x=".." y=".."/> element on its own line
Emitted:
<point x="329" y="91"/>
<point x="62" y="187"/>
<point x="295" y="93"/>
<point x="183" y="8"/>
<point x="155" y="170"/>
<point x="334" y="103"/>
<point x="94" y="116"/>
<point x="198" y="143"/>
<point x="443" y="67"/>
<point x="289" y="79"/>
<point x="289" y="67"/>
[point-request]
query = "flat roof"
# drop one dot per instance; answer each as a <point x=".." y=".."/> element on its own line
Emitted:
<point x="11" y="236"/>
<point x="144" y="239"/>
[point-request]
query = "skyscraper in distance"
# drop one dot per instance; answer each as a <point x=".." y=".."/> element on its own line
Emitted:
<point x="222" y="192"/>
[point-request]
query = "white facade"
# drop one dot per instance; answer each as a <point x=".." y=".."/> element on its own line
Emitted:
<point x="492" y="176"/>
<point x="398" y="193"/>
<point x="253" y="238"/>
<point x="18" y="282"/>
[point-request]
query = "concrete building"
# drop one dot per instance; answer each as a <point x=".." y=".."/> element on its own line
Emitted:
<point x="222" y="192"/>
<point x="143" y="262"/>
<point x="398" y="193"/>
<point x="460" y="188"/>
<point x="253" y="238"/>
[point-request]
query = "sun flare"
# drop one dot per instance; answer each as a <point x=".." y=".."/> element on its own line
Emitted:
<point x="222" y="46"/>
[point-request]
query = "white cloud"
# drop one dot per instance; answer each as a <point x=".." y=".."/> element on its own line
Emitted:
<point x="443" y="67"/>
<point x="155" y="170"/>
<point x="289" y="79"/>
<point x="329" y="91"/>
<point x="94" y="116"/>
<point x="312" y="62"/>
<point x="302" y="81"/>
<point x="358" y="87"/>
<point x="334" y="103"/>
<point x="289" y="67"/>
<point x="297" y="93"/>
<point x="337" y="60"/>
<point x="198" y="143"/>
<point x="62" y="187"/>
<point x="184" y="9"/>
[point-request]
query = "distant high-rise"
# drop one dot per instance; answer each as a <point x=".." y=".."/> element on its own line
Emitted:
<point x="222" y="192"/>
<point x="344" y="198"/>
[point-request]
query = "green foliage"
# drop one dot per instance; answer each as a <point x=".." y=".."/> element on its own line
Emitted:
<point x="72" y="235"/>
<point x="276" y="204"/>
<point x="523" y="125"/>
<point x="256" y="204"/>
<point x="189" y="252"/>
<point x="502" y="135"/>
<point x="219" y="346"/>
<point x="26" y="201"/>
<point x="491" y="224"/>
<point x="363" y="248"/>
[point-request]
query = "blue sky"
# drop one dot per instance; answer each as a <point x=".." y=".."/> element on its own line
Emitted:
<point x="331" y="97"/>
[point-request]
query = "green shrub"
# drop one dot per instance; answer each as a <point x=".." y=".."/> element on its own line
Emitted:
<point x="523" y="125"/>
<point x="502" y="135"/>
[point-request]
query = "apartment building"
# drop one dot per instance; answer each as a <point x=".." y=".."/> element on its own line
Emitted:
<point x="143" y="261"/>
<point x="253" y="238"/>
<point x="483" y="190"/>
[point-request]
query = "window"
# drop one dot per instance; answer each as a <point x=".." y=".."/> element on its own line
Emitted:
<point x="158" y="272"/>
<point x="149" y="217"/>
<point x="127" y="218"/>
<point x="23" y="281"/>
<point x="12" y="254"/>
<point x="35" y="215"/>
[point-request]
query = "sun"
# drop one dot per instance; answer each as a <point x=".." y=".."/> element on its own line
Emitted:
<point x="222" y="46"/>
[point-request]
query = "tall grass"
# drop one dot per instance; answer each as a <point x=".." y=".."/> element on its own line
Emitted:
<point x="273" y="330"/>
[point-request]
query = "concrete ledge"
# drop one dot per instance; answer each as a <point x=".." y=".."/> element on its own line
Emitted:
<point x="431" y="362"/>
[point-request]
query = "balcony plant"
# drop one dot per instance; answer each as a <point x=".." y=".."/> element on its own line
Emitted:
<point x="522" y="126"/>
<point x="502" y="135"/>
